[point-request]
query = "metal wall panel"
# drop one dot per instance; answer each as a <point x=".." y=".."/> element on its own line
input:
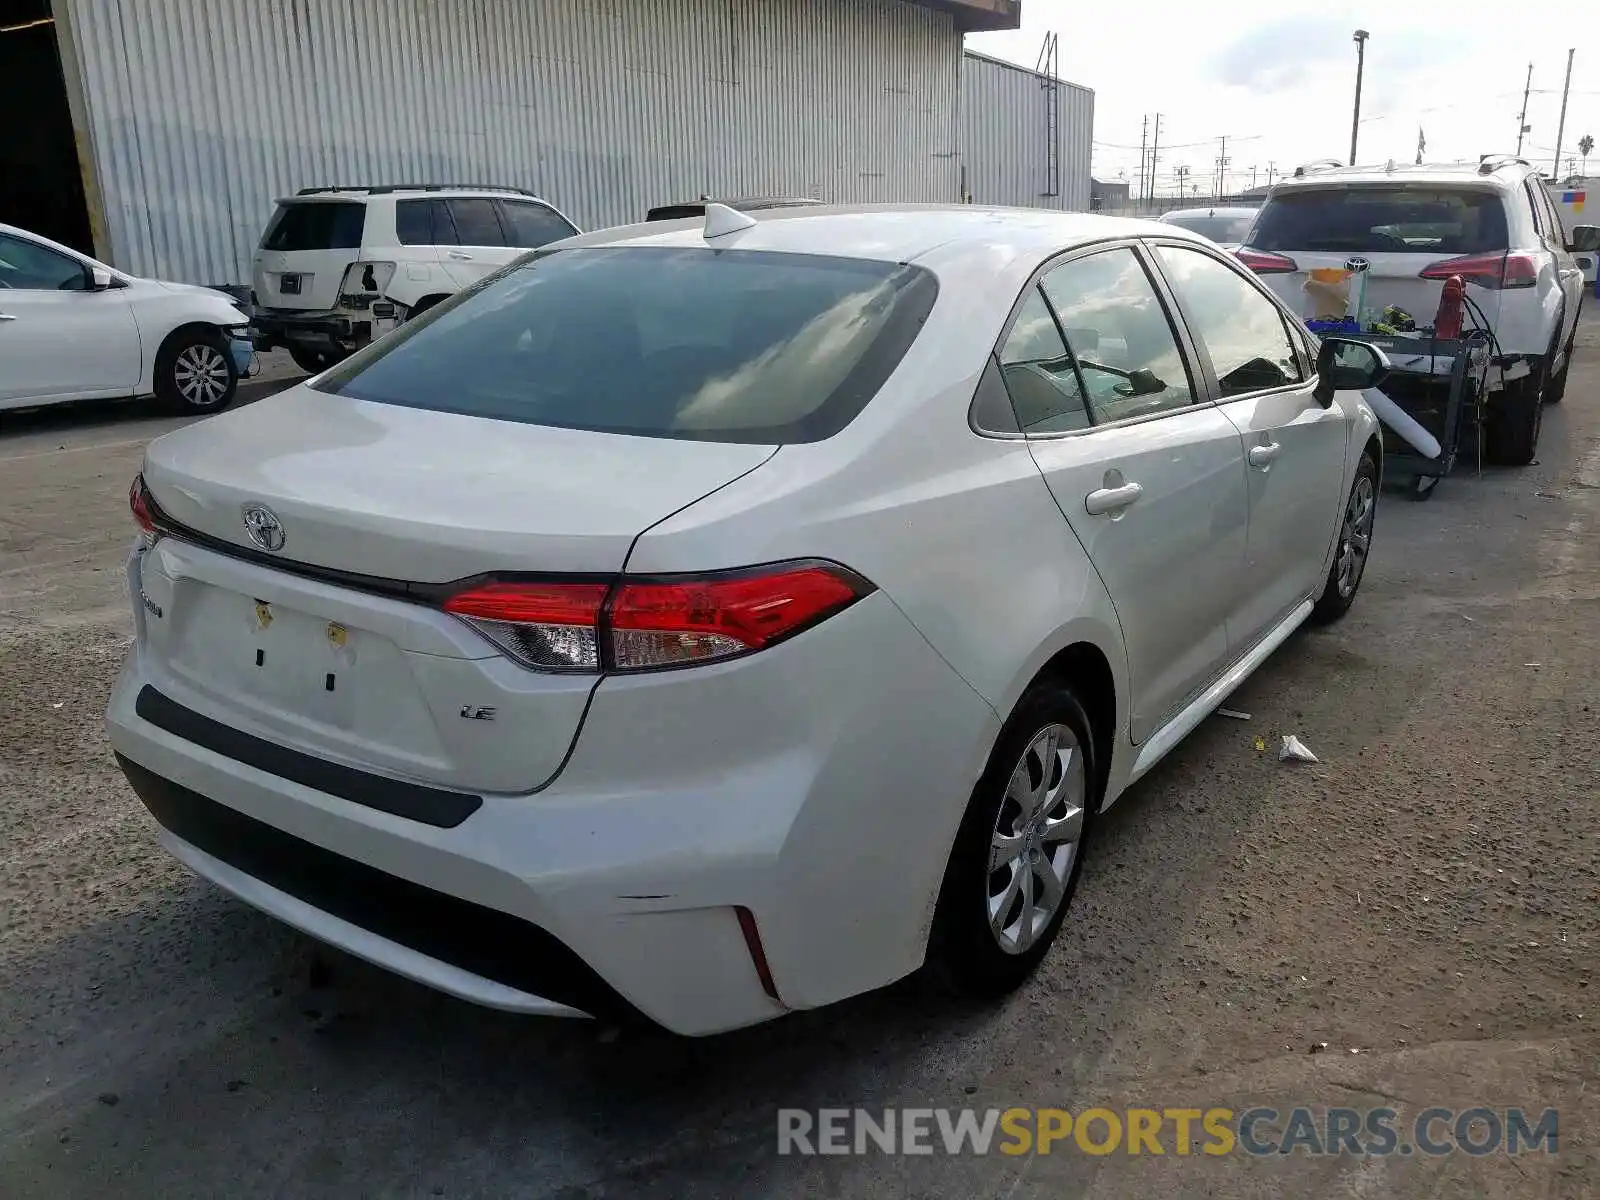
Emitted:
<point x="201" y="112"/>
<point x="1004" y="135"/>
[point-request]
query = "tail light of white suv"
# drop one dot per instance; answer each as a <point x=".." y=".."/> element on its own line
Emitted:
<point x="1493" y="271"/>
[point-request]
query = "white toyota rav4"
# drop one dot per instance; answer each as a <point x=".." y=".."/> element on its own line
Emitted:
<point x="1414" y="227"/>
<point x="338" y="266"/>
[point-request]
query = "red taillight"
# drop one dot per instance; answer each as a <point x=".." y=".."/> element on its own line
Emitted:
<point x="553" y="626"/>
<point x="139" y="504"/>
<point x="1263" y="263"/>
<point x="664" y="623"/>
<point x="1493" y="271"/>
<point x="648" y="623"/>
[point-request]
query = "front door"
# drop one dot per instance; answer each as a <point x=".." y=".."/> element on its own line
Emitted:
<point x="1150" y="479"/>
<point x="58" y="338"/>
<point x="1294" y="446"/>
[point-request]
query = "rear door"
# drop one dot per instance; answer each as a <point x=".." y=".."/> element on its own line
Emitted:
<point x="309" y="244"/>
<point x="1294" y="446"/>
<point x="530" y="224"/>
<point x="1569" y="274"/>
<point x="1150" y="477"/>
<point x="481" y="240"/>
<point x="1393" y="232"/>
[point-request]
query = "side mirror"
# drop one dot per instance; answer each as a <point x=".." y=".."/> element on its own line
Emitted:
<point x="1585" y="238"/>
<point x="99" y="279"/>
<point x="1347" y="365"/>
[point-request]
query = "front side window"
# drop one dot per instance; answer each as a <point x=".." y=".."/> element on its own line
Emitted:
<point x="730" y="346"/>
<point x="1039" y="373"/>
<point x="533" y="225"/>
<point x="1119" y="333"/>
<point x="28" y="265"/>
<point x="477" y="224"/>
<point x="1241" y="329"/>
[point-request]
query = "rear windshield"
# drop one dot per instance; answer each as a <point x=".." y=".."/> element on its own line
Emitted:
<point x="1383" y="218"/>
<point x="1218" y="229"/>
<point x="316" y="225"/>
<point x="731" y="346"/>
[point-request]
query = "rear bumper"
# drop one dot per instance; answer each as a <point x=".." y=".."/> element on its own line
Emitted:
<point x="329" y="331"/>
<point x="818" y="791"/>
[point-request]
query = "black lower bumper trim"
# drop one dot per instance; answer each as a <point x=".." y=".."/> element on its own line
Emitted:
<point x="439" y="807"/>
<point x="485" y="941"/>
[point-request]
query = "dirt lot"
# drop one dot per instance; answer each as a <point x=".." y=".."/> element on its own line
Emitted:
<point x="1426" y="896"/>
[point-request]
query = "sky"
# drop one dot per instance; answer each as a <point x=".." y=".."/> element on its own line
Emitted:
<point x="1279" y="79"/>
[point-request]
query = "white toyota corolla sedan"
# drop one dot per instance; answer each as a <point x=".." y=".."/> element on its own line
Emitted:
<point x="710" y="619"/>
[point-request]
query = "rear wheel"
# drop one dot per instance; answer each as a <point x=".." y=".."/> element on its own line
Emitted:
<point x="1019" y="851"/>
<point x="1511" y="429"/>
<point x="195" y="372"/>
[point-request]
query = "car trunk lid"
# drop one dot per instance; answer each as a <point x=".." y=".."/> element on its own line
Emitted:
<point x="333" y="643"/>
<point x="309" y="244"/>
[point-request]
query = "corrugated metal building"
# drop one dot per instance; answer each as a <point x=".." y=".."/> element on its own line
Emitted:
<point x="192" y="116"/>
<point x="1008" y="114"/>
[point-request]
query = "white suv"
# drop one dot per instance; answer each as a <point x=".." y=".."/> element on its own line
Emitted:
<point x="1491" y="223"/>
<point x="338" y="266"/>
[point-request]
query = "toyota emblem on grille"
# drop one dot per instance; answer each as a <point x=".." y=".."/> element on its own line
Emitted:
<point x="263" y="527"/>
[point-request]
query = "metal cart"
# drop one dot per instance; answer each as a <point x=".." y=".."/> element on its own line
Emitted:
<point x="1441" y="384"/>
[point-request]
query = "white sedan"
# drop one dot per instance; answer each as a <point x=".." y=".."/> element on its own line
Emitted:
<point x="706" y="621"/>
<point x="72" y="328"/>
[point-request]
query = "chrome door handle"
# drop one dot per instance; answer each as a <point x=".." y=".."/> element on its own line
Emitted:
<point x="6" y="317"/>
<point x="461" y="255"/>
<point x="1108" y="500"/>
<point x="1265" y="455"/>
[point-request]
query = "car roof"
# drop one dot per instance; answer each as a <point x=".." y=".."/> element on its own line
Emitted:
<point x="894" y="232"/>
<point x="1503" y="174"/>
<point x="404" y="190"/>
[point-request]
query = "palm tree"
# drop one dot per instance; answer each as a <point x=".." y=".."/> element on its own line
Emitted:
<point x="1585" y="145"/>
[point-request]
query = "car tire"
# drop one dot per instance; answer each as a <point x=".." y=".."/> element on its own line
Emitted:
<point x="1511" y="427"/>
<point x="424" y="305"/>
<point x="989" y="934"/>
<point x="1558" y="382"/>
<point x="195" y="372"/>
<point x="1354" y="545"/>
<point x="314" y="361"/>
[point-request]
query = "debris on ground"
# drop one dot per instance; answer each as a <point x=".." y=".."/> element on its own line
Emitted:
<point x="1233" y="714"/>
<point x="1294" y="750"/>
<point x="1317" y="1047"/>
<point x="1261" y="743"/>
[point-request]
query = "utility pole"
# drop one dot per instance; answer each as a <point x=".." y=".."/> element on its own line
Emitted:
<point x="1155" y="149"/>
<point x="1252" y="176"/>
<point x="1522" y="117"/>
<point x="1355" y="118"/>
<point x="1561" y="128"/>
<point x="1144" y="135"/>
<point x="1272" y="171"/>
<point x="1183" y="175"/>
<point x="1222" y="168"/>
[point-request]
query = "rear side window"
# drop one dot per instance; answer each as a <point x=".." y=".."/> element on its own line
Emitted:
<point x="477" y="224"/>
<point x="424" y="223"/>
<point x="533" y="225"/>
<point x="1383" y="218"/>
<point x="316" y="225"/>
<point x="731" y="346"/>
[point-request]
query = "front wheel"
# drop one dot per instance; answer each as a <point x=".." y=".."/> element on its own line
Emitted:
<point x="313" y="361"/>
<point x="195" y="372"/>
<point x="1019" y="851"/>
<point x="1355" y="543"/>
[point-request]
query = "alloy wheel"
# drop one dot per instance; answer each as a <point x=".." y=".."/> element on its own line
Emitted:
<point x="1355" y="539"/>
<point x="201" y="375"/>
<point x="1036" y="837"/>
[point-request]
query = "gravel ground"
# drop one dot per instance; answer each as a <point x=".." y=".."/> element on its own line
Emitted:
<point x="1425" y="896"/>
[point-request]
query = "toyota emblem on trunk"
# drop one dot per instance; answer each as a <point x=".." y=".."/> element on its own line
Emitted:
<point x="263" y="526"/>
<point x="1356" y="264"/>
